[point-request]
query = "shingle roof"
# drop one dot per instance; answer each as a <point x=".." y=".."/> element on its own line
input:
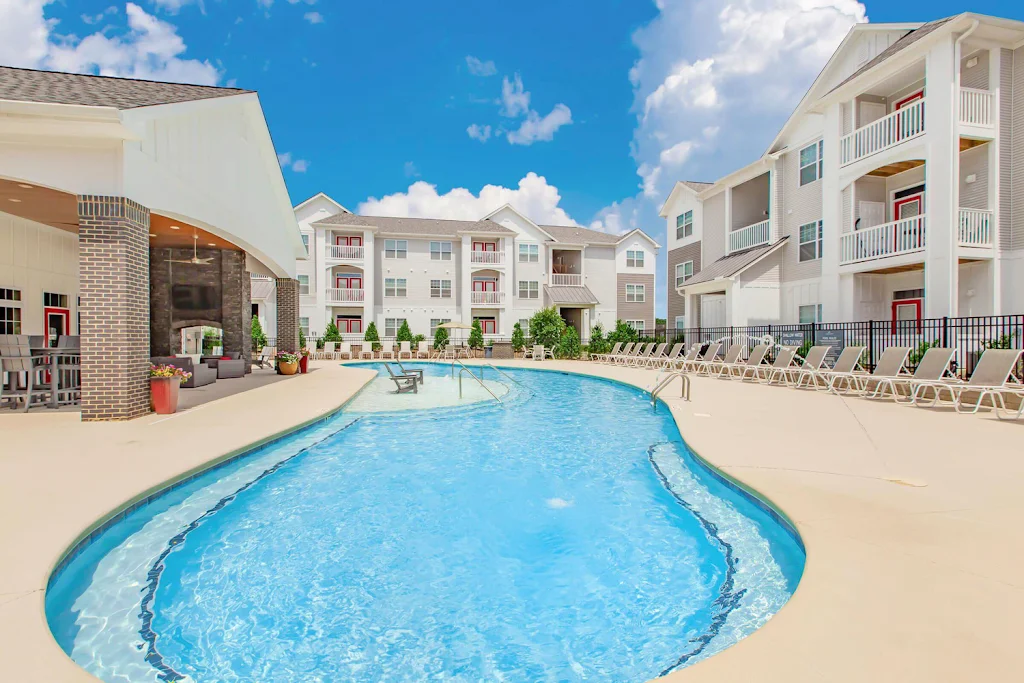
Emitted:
<point x="733" y="264"/>
<point x="574" y="234"/>
<point x="570" y="295"/>
<point x="54" y="87"/>
<point x="416" y="226"/>
<point x="696" y="185"/>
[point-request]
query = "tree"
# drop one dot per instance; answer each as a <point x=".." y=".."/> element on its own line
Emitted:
<point x="440" y="338"/>
<point x="598" y="344"/>
<point x="660" y="322"/>
<point x="568" y="345"/>
<point x="259" y="339"/>
<point x="332" y="334"/>
<point x="622" y="333"/>
<point x="371" y="336"/>
<point x="404" y="333"/>
<point x="302" y="339"/>
<point x="546" y="327"/>
<point x="476" y="336"/>
<point x="518" y="338"/>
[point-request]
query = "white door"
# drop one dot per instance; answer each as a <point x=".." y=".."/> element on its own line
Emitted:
<point x="870" y="213"/>
<point x="712" y="310"/>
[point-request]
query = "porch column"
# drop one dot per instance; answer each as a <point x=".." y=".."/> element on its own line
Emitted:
<point x="236" y="308"/>
<point x="287" y="314"/>
<point x="113" y="274"/>
<point x="831" y="217"/>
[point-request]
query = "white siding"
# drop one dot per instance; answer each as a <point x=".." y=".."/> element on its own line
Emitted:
<point x="803" y="205"/>
<point x="974" y="162"/>
<point x="713" y="229"/>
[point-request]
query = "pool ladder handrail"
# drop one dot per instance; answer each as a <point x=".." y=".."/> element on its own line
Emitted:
<point x="684" y="392"/>
<point x="478" y="380"/>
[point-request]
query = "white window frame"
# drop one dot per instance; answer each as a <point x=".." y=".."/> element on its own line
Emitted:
<point x="391" y="326"/>
<point x="303" y="284"/>
<point x="396" y="287"/>
<point x="680" y="279"/>
<point x="304" y="326"/>
<point x="680" y="322"/>
<point x="638" y="292"/>
<point x="531" y="252"/>
<point x="305" y="242"/>
<point x="441" y="287"/>
<point x="396" y="249"/>
<point x="440" y="254"/>
<point x="815" y="310"/>
<point x="524" y="325"/>
<point x="631" y="258"/>
<point x="817" y="163"/>
<point x="435" y="323"/>
<point x="684" y="225"/>
<point x="637" y="325"/>
<point x="532" y="289"/>
<point x="816" y="241"/>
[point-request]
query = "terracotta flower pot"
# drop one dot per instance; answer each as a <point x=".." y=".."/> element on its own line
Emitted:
<point x="287" y="368"/>
<point x="163" y="394"/>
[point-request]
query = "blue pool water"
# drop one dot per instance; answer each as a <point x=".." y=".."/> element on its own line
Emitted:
<point x="563" y="535"/>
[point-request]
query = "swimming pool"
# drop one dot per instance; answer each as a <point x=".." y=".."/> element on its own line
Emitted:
<point x="564" y="534"/>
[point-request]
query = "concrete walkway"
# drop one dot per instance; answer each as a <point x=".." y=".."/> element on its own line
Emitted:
<point x="911" y="518"/>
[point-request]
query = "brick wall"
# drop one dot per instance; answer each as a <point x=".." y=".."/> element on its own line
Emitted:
<point x="236" y="314"/>
<point x="113" y="248"/>
<point x="287" y="315"/>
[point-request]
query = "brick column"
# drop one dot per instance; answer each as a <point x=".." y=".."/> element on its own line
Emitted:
<point x="113" y="273"/>
<point x="236" y="315"/>
<point x="287" y="315"/>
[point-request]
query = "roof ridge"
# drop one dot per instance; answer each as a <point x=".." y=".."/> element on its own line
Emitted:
<point x="427" y="218"/>
<point x="125" y="78"/>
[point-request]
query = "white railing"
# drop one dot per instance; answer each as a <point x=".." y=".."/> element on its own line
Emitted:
<point x="975" y="228"/>
<point x="976" y="107"/>
<point x="487" y="257"/>
<point x="904" y="236"/>
<point x="901" y="125"/>
<point x="261" y="286"/>
<point x="487" y="297"/>
<point x="337" y="295"/>
<point x="750" y="236"/>
<point x="257" y="276"/>
<point x="344" y="252"/>
<point x="566" y="280"/>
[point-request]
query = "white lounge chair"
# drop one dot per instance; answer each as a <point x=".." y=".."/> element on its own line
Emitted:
<point x="810" y="366"/>
<point x="732" y="356"/>
<point x="627" y="358"/>
<point x="933" y="367"/>
<point x="601" y="357"/>
<point x="345" y="350"/>
<point x="538" y="352"/>
<point x="329" y="350"/>
<point x="710" y="356"/>
<point x="624" y="351"/>
<point x="743" y="369"/>
<point x="891" y="364"/>
<point x="689" y="359"/>
<point x="405" y="350"/>
<point x="989" y="380"/>
<point x="366" y="351"/>
<point x="784" y="356"/>
<point x="845" y="366"/>
<point x="387" y="351"/>
<point x="644" y="358"/>
<point x="423" y="350"/>
<point x="668" y="360"/>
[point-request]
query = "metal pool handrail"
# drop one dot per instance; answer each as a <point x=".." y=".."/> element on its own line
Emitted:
<point x="478" y="380"/>
<point x="684" y="392"/>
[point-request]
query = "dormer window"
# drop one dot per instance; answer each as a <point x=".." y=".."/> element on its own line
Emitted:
<point x="635" y="258"/>
<point x="684" y="225"/>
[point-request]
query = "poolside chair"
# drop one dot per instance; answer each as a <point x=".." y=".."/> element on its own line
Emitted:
<point x="687" y="361"/>
<point x="404" y="383"/>
<point x="311" y="349"/>
<point x="784" y="356"/>
<point x="601" y="357"/>
<point x="653" y="351"/>
<point x="415" y="372"/>
<point x="624" y="351"/>
<point x="891" y="364"/>
<point x="386" y="351"/>
<point x="810" y="366"/>
<point x="669" y="360"/>
<point x="329" y="350"/>
<point x="989" y="380"/>
<point x="627" y="358"/>
<point x="366" y="351"/>
<point x="538" y="352"/>
<point x="731" y="357"/>
<point x="701" y="366"/>
<point x="26" y="374"/>
<point x="423" y="350"/>
<point x="743" y="369"/>
<point x="845" y="365"/>
<point x="405" y="349"/>
<point x="345" y="351"/>
<point x="933" y="368"/>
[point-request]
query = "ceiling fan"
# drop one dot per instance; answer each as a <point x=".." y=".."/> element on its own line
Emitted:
<point x="195" y="260"/>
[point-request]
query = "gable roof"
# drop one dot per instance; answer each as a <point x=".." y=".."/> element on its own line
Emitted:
<point x="55" y="87"/>
<point x="574" y="234"/>
<point x="694" y="186"/>
<point x="733" y="264"/>
<point x="519" y="213"/>
<point x="416" y="226"/>
<point x="319" y="195"/>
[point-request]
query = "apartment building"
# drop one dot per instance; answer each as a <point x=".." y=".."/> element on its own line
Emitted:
<point x="499" y="270"/>
<point x="895" y="190"/>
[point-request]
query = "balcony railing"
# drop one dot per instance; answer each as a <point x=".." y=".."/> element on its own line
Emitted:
<point x="489" y="257"/>
<point x="904" y="236"/>
<point x="344" y="252"/>
<point x="342" y="296"/>
<point x="487" y="297"/>
<point x="751" y="236"/>
<point x="879" y="135"/>
<point x="566" y="280"/>
<point x="976" y="107"/>
<point x="261" y="286"/>
<point x="975" y="228"/>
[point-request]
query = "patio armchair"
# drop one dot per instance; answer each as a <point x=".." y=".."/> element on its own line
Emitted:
<point x="403" y="383"/>
<point x="423" y="350"/>
<point x="989" y="380"/>
<point x="538" y="352"/>
<point x="415" y="372"/>
<point x="22" y="375"/>
<point x="265" y="357"/>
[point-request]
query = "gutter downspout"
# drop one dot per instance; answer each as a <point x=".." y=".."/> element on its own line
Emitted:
<point x="955" y="170"/>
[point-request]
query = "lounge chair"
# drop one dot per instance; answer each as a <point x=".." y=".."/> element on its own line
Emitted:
<point x="653" y="350"/>
<point x="810" y="366"/>
<point x="415" y="372"/>
<point x="330" y="349"/>
<point x="742" y="369"/>
<point x="404" y="383"/>
<point x="538" y="352"/>
<point x="366" y="351"/>
<point x="891" y="364"/>
<point x="345" y="351"/>
<point x="405" y="349"/>
<point x="701" y="366"/>
<point x="423" y="350"/>
<point x="845" y="365"/>
<point x="732" y="356"/>
<point x="311" y="349"/>
<point x="624" y="351"/>
<point x="601" y="357"/>
<point x="17" y="363"/>
<point x="933" y="368"/>
<point x="627" y="358"/>
<point x="669" y="360"/>
<point x="784" y="356"/>
<point x="386" y="351"/>
<point x="989" y="379"/>
<point x="689" y="359"/>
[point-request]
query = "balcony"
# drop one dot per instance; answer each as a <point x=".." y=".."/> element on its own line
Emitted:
<point x="975" y="228"/>
<point x="977" y="107"/>
<point x="344" y="252"/>
<point x="882" y="134"/>
<point x="904" y="236"/>
<point x="566" y="280"/>
<point x="487" y="257"/>
<point x="487" y="298"/>
<point x="345" y="296"/>
<point x="751" y="236"/>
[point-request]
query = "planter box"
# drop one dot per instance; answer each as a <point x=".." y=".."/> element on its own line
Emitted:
<point x="502" y="350"/>
<point x="163" y="394"/>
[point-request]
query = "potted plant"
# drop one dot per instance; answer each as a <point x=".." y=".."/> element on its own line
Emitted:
<point x="304" y="360"/>
<point x="164" y="382"/>
<point x="287" y="363"/>
<point x="518" y="339"/>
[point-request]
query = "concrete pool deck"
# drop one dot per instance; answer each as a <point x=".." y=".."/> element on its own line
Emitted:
<point x="911" y="517"/>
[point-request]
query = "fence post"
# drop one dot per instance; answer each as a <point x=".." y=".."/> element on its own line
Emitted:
<point x="871" y="344"/>
<point x="945" y="331"/>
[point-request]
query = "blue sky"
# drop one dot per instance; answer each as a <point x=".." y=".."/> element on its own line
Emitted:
<point x="579" y="111"/>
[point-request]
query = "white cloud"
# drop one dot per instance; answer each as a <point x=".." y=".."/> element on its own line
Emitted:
<point x="411" y="171"/>
<point x="478" y="67"/>
<point x="24" y="33"/>
<point x="478" y="132"/>
<point x="172" y="6"/>
<point x="313" y="17"/>
<point x="677" y="154"/>
<point x="288" y="162"/>
<point x="535" y="127"/>
<point x="91" y="19"/>
<point x="534" y="197"/>
<point x="514" y="100"/>
<point x="300" y="166"/>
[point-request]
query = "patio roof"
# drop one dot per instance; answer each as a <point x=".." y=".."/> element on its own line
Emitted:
<point x="580" y="296"/>
<point x="733" y="264"/>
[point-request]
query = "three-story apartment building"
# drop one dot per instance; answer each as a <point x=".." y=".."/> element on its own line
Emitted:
<point x="499" y="270"/>
<point x="895" y="190"/>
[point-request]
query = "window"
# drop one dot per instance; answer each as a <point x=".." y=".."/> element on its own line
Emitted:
<point x="304" y="284"/>
<point x="684" y="271"/>
<point x="394" y="286"/>
<point x="901" y="294"/>
<point x="441" y="289"/>
<point x="304" y="326"/>
<point x="810" y="241"/>
<point x="524" y="325"/>
<point x="811" y="164"/>
<point x="684" y="225"/>
<point x="529" y="253"/>
<point x="391" y="326"/>
<point x="10" y="294"/>
<point x="811" y="313"/>
<point x="396" y="248"/>
<point x="529" y="289"/>
<point x="440" y="251"/>
<point x="10" y="320"/>
<point x="437" y="322"/>
<point x="637" y="325"/>
<point x="635" y="259"/>
<point x="680" y="322"/>
<point x="55" y="300"/>
<point x="305" y="242"/>
<point x="635" y="293"/>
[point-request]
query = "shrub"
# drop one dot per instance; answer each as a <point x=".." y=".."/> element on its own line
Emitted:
<point x="598" y="344"/>
<point x="518" y="338"/>
<point x="259" y="339"/>
<point x="302" y="339"/>
<point x="622" y="333"/>
<point x="404" y="333"/>
<point x="546" y="327"/>
<point x="440" y="338"/>
<point x="417" y="338"/>
<point x="332" y="334"/>
<point x="568" y="345"/>
<point x="371" y="336"/>
<point x="1003" y="341"/>
<point x="476" y="336"/>
<point x="917" y="354"/>
<point x="804" y="348"/>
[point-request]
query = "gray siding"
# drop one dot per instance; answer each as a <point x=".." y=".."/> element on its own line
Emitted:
<point x="633" y="311"/>
<point x="764" y="273"/>
<point x="713" y="230"/>
<point x="802" y="205"/>
<point x="974" y="161"/>
<point x="977" y="75"/>
<point x="676" y="303"/>
<point x="1014" y="158"/>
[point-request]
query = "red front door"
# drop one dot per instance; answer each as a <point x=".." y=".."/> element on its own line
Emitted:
<point x="350" y="325"/>
<point x="904" y="310"/>
<point x="349" y="282"/>
<point x="485" y="285"/>
<point x="488" y="325"/>
<point x="58" y="322"/>
<point x="484" y="246"/>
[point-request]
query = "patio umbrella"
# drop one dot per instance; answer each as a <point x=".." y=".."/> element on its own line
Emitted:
<point x="455" y="326"/>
